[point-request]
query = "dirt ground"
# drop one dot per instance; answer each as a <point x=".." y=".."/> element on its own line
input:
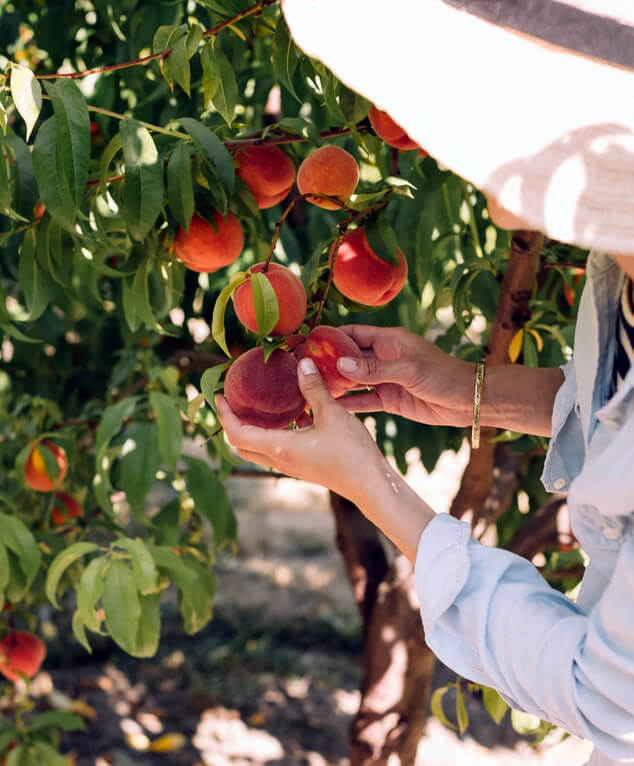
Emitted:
<point x="273" y="679"/>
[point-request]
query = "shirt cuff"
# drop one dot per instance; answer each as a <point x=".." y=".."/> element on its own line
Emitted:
<point x="442" y="566"/>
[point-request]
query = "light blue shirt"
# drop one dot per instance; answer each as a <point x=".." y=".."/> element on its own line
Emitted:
<point x="490" y="616"/>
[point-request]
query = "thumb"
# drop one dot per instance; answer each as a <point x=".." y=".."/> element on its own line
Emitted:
<point x="313" y="387"/>
<point x="372" y="371"/>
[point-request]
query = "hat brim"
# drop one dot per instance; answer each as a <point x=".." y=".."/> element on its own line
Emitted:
<point x="548" y="133"/>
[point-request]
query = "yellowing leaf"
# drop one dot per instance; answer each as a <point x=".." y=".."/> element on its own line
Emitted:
<point x="168" y="743"/>
<point x="538" y="339"/>
<point x="515" y="346"/>
<point x="27" y="96"/>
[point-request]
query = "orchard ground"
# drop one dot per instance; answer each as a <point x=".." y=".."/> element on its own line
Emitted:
<point x="273" y="680"/>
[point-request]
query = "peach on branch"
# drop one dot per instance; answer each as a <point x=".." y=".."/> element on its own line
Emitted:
<point x="36" y="472"/>
<point x="361" y="275"/>
<point x="21" y="652"/>
<point x="267" y="171"/>
<point x="291" y="299"/>
<point x="65" y="509"/>
<point x="208" y="247"/>
<point x="324" y="345"/>
<point x="264" y="394"/>
<point x="388" y="130"/>
<point x="328" y="170"/>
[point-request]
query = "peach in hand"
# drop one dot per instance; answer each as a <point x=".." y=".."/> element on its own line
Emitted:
<point x="361" y="275"/>
<point x="388" y="130"/>
<point x="36" y="475"/>
<point x="291" y="299"/>
<point x="267" y="171"/>
<point x="21" y="652"/>
<point x="264" y="394"/>
<point x="328" y="170"/>
<point x="206" y="247"/>
<point x="324" y="345"/>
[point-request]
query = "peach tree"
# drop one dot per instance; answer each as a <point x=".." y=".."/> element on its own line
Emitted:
<point x="155" y="236"/>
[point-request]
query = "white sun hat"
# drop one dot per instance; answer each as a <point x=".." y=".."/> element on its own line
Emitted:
<point x="530" y="100"/>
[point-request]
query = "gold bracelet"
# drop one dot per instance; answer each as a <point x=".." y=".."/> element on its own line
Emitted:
<point x="477" y="401"/>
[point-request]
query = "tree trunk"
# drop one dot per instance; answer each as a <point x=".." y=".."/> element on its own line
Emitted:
<point x="398" y="666"/>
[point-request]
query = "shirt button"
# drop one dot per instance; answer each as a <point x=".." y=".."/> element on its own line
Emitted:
<point x="559" y="483"/>
<point x="611" y="533"/>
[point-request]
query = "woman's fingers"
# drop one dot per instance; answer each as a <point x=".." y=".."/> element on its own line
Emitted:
<point x="313" y="388"/>
<point x="246" y="437"/>
<point x="373" y="371"/>
<point x="368" y="401"/>
<point x="254" y="457"/>
<point x="362" y="334"/>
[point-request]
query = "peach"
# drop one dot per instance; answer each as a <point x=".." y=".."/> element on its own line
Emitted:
<point x="206" y="247"/>
<point x="267" y="171"/>
<point x="264" y="394"/>
<point x="324" y="345"/>
<point x="362" y="276"/>
<point x="35" y="473"/>
<point x="65" y="509"/>
<point x="21" y="652"/>
<point x="388" y="130"/>
<point x="291" y="298"/>
<point x="328" y="170"/>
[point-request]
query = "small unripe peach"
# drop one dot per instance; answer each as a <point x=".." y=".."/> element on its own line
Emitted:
<point x="392" y="133"/>
<point x="291" y="299"/>
<point x="361" y="275"/>
<point x="324" y="345"/>
<point x="35" y="474"/>
<point x="65" y="509"/>
<point x="21" y="652"/>
<point x="207" y="248"/>
<point x="328" y="170"/>
<point x="264" y="394"/>
<point x="267" y="171"/>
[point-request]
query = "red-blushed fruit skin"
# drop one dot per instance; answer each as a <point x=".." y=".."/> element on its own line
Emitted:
<point x="21" y="651"/>
<point x="291" y="298"/>
<point x="328" y="170"/>
<point x="264" y="394"/>
<point x="362" y="276"/>
<point x="35" y="475"/>
<point x="388" y="130"/>
<point x="205" y="249"/>
<point x="324" y="345"/>
<point x="267" y="171"/>
<point x="65" y="509"/>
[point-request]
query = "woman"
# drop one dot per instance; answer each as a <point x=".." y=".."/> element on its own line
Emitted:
<point x="563" y="163"/>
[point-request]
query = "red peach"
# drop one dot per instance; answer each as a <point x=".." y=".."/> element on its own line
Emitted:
<point x="324" y="345"/>
<point x="207" y="248"/>
<point x="267" y="171"/>
<point x="291" y="298"/>
<point x="21" y="652"/>
<point x="328" y="170"/>
<point x="392" y="133"/>
<point x="35" y="474"/>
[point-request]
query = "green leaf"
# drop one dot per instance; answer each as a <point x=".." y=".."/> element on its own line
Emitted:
<point x="4" y="571"/>
<point x="461" y="711"/>
<point x="495" y="706"/>
<point x="437" y="709"/>
<point x="140" y="461"/>
<point x="57" y="719"/>
<point x="121" y="605"/>
<point x="27" y="96"/>
<point x="211" y="81"/>
<point x="145" y="572"/>
<point x="524" y="723"/>
<point x="89" y="591"/>
<point x="35" y="283"/>
<point x="353" y="106"/>
<point x="109" y="153"/>
<point x="179" y="64"/>
<point x="220" y="307"/>
<point x="19" y="539"/>
<point x="79" y="630"/>
<point x="4" y="120"/>
<point x="210" y="379"/>
<point x="60" y="564"/>
<point x="112" y="420"/>
<point x="72" y="125"/>
<point x="53" y="186"/>
<point x="167" y="37"/>
<point x="529" y="351"/>
<point x="210" y="496"/>
<point x="225" y="86"/>
<point x="267" y="310"/>
<point x="25" y="191"/>
<point x="147" y="638"/>
<point x="143" y="187"/>
<point x="180" y="185"/>
<point x="285" y="57"/>
<point x="170" y="427"/>
<point x="214" y="151"/>
<point x="382" y="239"/>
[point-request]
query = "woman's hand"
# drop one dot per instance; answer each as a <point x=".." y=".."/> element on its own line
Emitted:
<point x="409" y="377"/>
<point x="334" y="450"/>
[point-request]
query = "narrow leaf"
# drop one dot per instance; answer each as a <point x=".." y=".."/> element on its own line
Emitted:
<point x="145" y="572"/>
<point x="180" y="186"/>
<point x="461" y="711"/>
<point x="210" y="496"/>
<point x="170" y="427"/>
<point x="139" y="464"/>
<point x="27" y="96"/>
<point x="220" y="307"/>
<point x="35" y="283"/>
<point x="210" y="379"/>
<point x="225" y="95"/>
<point x="437" y="709"/>
<point x="121" y="605"/>
<point x="515" y="346"/>
<point x="214" y="150"/>
<point x="60" y="564"/>
<point x="267" y="310"/>
<point x="285" y="58"/>
<point x="495" y="706"/>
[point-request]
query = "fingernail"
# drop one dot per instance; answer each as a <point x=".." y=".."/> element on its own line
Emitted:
<point x="347" y="363"/>
<point x="307" y="366"/>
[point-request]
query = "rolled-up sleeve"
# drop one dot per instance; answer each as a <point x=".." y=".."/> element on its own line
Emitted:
<point x="490" y="616"/>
